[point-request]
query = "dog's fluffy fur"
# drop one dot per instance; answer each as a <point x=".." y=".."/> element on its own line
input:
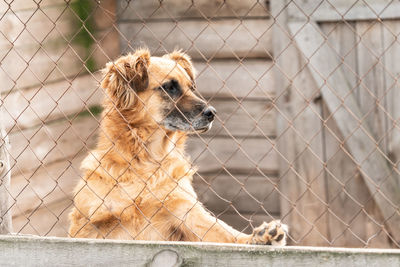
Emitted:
<point x="137" y="182"/>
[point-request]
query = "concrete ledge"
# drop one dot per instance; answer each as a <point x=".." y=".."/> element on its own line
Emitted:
<point x="18" y="250"/>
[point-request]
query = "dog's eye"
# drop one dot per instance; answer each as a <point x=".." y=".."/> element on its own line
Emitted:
<point x="172" y="88"/>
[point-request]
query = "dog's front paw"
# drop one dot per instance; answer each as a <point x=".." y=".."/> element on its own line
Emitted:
<point x="273" y="233"/>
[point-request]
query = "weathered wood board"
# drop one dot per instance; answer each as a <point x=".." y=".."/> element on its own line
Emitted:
<point x="48" y="184"/>
<point x="353" y="214"/>
<point x="39" y="67"/>
<point x="51" y="101"/>
<point x="61" y="140"/>
<point x="247" y="193"/>
<point x="231" y="78"/>
<point x="250" y="154"/>
<point x="39" y="44"/>
<point x="340" y="10"/>
<point x="48" y="220"/>
<point x="32" y="26"/>
<point x="390" y="58"/>
<point x="245" y="118"/>
<point x="33" y="251"/>
<point x="21" y="5"/>
<point x="187" y="9"/>
<point x="299" y="138"/>
<point x="201" y="39"/>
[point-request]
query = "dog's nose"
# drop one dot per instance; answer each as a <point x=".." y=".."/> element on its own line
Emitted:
<point x="209" y="113"/>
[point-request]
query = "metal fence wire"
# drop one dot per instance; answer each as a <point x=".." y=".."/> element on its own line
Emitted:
<point x="306" y="129"/>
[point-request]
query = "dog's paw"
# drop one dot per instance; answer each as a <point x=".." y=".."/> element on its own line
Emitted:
<point x="273" y="233"/>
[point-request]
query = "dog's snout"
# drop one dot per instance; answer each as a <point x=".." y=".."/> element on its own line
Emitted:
<point x="209" y="113"/>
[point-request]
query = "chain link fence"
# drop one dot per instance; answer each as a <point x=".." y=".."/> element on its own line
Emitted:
<point x="306" y="94"/>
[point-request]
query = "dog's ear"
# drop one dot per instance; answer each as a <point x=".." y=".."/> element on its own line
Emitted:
<point x="184" y="61"/>
<point x="127" y="76"/>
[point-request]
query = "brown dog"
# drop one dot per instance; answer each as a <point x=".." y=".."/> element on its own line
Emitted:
<point x="137" y="183"/>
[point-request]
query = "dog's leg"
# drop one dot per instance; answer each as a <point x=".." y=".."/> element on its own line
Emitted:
<point x="200" y="225"/>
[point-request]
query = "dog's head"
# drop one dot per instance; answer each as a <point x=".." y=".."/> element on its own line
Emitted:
<point x="160" y="90"/>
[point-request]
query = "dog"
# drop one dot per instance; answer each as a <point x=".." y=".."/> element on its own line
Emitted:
<point x="137" y="182"/>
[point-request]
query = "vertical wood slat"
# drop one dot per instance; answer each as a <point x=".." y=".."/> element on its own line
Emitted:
<point x="391" y="44"/>
<point x="299" y="139"/>
<point x="350" y="222"/>
<point x="372" y="87"/>
<point x="379" y="177"/>
<point x="5" y="174"/>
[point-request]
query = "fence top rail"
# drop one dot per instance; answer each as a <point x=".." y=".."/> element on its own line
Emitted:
<point x="34" y="250"/>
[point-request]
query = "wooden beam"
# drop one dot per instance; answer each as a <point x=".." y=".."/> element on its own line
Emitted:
<point x="381" y="180"/>
<point x="39" y="251"/>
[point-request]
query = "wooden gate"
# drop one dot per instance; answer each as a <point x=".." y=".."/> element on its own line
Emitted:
<point x="337" y="69"/>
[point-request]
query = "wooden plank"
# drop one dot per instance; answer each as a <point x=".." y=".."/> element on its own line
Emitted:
<point x="42" y="51"/>
<point x="21" y="5"/>
<point x="308" y="191"/>
<point x="339" y="10"/>
<point x="230" y="38"/>
<point x="246" y="118"/>
<point x="352" y="214"/>
<point x="230" y="78"/>
<point x="33" y="250"/>
<point x="51" y="101"/>
<point x="343" y="39"/>
<point x="299" y="138"/>
<point x="30" y="65"/>
<point x="392" y="69"/>
<point x="351" y="224"/>
<point x="250" y="193"/>
<point x="379" y="177"/>
<point x="283" y="75"/>
<point x="53" y="20"/>
<point x="215" y="153"/>
<point x="372" y="87"/>
<point x="48" y="143"/>
<point x="38" y="67"/>
<point x="360" y="11"/>
<point x="153" y="9"/>
<point x="49" y="220"/>
<point x="43" y="24"/>
<point x="48" y="184"/>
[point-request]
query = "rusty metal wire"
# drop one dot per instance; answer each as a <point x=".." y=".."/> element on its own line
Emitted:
<point x="277" y="149"/>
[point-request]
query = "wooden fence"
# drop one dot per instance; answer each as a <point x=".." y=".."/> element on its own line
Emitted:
<point x="338" y="121"/>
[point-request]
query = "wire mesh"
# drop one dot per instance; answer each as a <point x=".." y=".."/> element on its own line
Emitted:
<point x="288" y="142"/>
